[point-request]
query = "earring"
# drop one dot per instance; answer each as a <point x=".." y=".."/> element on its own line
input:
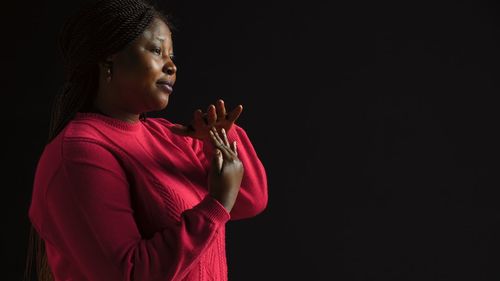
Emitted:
<point x="108" y="75"/>
<point x="108" y="72"/>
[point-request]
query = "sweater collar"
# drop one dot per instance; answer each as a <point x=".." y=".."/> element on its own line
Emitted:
<point x="117" y="123"/>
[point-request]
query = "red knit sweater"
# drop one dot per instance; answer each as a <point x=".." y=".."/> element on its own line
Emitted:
<point x="129" y="201"/>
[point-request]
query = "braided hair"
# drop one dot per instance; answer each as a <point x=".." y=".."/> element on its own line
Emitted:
<point x="99" y="29"/>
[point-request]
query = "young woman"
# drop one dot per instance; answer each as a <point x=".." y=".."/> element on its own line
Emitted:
<point x="121" y="196"/>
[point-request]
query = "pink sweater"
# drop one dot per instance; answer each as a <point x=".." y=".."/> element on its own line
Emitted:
<point x="129" y="201"/>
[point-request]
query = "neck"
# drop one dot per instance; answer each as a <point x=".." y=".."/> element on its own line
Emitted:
<point x="109" y="108"/>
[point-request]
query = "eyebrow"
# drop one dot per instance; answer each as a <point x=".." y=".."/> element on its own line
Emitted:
<point x="161" y="39"/>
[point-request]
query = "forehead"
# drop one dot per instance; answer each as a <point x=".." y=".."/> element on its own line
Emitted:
<point x="157" y="30"/>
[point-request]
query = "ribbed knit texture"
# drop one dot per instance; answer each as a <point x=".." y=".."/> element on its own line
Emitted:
<point x="128" y="201"/>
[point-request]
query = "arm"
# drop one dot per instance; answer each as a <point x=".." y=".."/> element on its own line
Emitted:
<point x="99" y="229"/>
<point x="253" y="195"/>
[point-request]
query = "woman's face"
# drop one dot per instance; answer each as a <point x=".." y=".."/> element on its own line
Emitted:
<point x="143" y="73"/>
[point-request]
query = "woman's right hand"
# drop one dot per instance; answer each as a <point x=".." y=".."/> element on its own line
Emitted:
<point x="226" y="171"/>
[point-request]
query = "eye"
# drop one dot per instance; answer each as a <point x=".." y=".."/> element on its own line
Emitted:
<point x="157" y="51"/>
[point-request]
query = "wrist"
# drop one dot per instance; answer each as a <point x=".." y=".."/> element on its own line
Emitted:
<point x="224" y="203"/>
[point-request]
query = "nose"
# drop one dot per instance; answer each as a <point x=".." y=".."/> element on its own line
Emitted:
<point x="169" y="68"/>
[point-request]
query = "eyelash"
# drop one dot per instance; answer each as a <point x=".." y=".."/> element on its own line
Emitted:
<point x="158" y="52"/>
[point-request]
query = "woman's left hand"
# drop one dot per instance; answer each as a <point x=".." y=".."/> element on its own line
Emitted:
<point x="215" y="116"/>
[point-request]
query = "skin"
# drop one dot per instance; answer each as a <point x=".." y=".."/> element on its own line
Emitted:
<point x="226" y="173"/>
<point x="132" y="89"/>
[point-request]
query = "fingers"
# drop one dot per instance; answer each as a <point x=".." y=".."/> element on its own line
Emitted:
<point x="217" y="138"/>
<point x="235" y="149"/>
<point x="221" y="144"/>
<point x="211" y="115"/>
<point x="224" y="136"/>
<point x="221" y="110"/>
<point x="198" y="119"/>
<point x="218" y="113"/>
<point x="235" y="113"/>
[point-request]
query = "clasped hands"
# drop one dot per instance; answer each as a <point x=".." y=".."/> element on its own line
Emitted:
<point x="226" y="169"/>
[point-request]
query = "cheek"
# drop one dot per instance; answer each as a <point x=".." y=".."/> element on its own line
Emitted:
<point x="131" y="66"/>
<point x="137" y="78"/>
<point x="146" y="73"/>
<point x="137" y="66"/>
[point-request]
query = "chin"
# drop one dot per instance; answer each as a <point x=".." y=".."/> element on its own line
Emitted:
<point x="157" y="101"/>
<point x="161" y="103"/>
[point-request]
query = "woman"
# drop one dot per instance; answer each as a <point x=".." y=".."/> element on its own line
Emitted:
<point x="119" y="196"/>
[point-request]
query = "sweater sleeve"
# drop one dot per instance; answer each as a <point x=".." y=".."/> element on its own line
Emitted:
<point x="253" y="195"/>
<point x="99" y="230"/>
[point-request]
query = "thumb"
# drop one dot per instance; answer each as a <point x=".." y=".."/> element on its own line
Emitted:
<point x="179" y="130"/>
<point x="217" y="161"/>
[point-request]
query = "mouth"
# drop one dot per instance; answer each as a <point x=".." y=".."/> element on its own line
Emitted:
<point x="165" y="85"/>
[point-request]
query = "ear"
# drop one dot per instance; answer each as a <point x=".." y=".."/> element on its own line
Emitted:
<point x="108" y="61"/>
<point x="106" y="68"/>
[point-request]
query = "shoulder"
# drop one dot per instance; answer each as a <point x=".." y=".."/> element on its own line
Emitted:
<point x="84" y="130"/>
<point x="88" y="141"/>
<point x="89" y="153"/>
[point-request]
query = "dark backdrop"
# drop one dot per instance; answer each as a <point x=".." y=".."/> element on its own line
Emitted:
<point x="376" y="121"/>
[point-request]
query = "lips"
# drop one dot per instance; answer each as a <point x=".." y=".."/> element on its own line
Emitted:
<point x="165" y="86"/>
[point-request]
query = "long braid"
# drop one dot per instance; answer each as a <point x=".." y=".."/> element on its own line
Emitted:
<point x="100" y="28"/>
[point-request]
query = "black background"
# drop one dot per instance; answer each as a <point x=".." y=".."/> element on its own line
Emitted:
<point x="377" y="123"/>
